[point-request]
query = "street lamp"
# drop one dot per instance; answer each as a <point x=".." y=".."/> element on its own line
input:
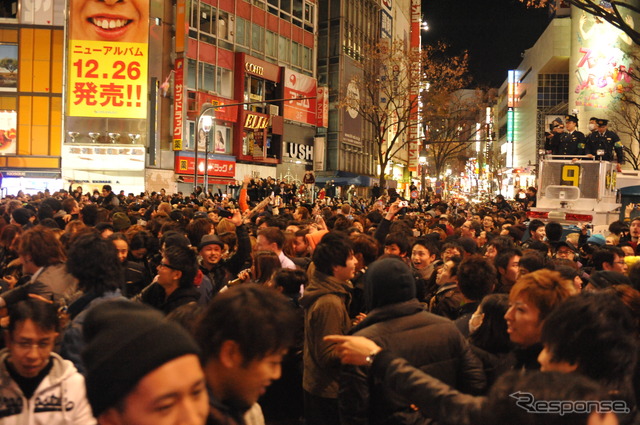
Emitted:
<point x="422" y="159"/>
<point x="206" y="121"/>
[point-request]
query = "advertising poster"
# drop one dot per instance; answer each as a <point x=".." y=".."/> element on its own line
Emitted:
<point x="297" y="85"/>
<point x="8" y="124"/>
<point x="108" y="59"/>
<point x="8" y="67"/>
<point x="602" y="64"/>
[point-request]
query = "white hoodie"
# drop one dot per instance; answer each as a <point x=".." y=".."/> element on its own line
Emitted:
<point x="60" y="399"/>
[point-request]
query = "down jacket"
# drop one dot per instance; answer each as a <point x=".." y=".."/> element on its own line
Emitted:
<point x="431" y="343"/>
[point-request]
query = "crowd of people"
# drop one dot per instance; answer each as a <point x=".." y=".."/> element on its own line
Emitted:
<point x="258" y="307"/>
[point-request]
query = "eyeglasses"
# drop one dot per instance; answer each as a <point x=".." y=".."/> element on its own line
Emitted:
<point x="28" y="345"/>
<point x="169" y="266"/>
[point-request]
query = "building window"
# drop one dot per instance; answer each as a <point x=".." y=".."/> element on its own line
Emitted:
<point x="224" y="79"/>
<point x="307" y="60"/>
<point x="257" y="38"/>
<point x="272" y="44"/>
<point x="295" y="54"/>
<point x="206" y="22"/>
<point x="242" y="32"/>
<point x="208" y="77"/>
<point x="8" y="10"/>
<point x="283" y="49"/>
<point x="254" y="92"/>
<point x="309" y="12"/>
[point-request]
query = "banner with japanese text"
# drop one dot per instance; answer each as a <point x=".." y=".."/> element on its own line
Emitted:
<point x="107" y="65"/>
<point x="107" y="79"/>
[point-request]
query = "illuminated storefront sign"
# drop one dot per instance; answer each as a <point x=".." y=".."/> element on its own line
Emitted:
<point x="299" y="151"/>
<point x="256" y="121"/>
<point x="216" y="167"/>
<point x="254" y="69"/>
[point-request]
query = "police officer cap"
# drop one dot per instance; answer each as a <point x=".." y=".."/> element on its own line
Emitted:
<point x="601" y="122"/>
<point x="571" y="118"/>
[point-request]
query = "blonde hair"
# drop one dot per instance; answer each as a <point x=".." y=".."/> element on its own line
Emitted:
<point x="543" y="288"/>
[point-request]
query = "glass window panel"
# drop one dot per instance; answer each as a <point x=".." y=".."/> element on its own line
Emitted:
<point x="208" y="76"/>
<point x="285" y="5"/>
<point x="283" y="49"/>
<point x="241" y="31"/>
<point x="257" y="37"/>
<point x="272" y="44"/>
<point x="191" y="73"/>
<point x="224" y="82"/>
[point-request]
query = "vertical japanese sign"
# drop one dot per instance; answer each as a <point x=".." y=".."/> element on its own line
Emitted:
<point x="108" y="59"/>
<point x="178" y="105"/>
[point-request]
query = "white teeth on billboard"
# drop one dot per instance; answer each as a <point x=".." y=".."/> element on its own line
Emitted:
<point x="108" y="24"/>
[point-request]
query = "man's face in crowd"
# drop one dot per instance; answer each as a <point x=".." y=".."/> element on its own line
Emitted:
<point x="565" y="253"/>
<point x="450" y="253"/>
<point x="392" y="249"/>
<point x="444" y="273"/>
<point x="539" y="234"/>
<point x="491" y="252"/>
<point x="619" y="265"/>
<point x="523" y="322"/>
<point x="263" y="244"/>
<point x="211" y="254"/>
<point x="300" y="245"/>
<point x="30" y="348"/>
<point x="634" y="230"/>
<point x="123" y="249"/>
<point x="173" y="394"/>
<point x="510" y="274"/>
<point x="347" y="271"/>
<point x="466" y="231"/>
<point x="250" y="380"/>
<point x="421" y="257"/>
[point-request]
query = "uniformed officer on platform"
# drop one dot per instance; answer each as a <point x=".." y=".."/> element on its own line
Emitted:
<point x="570" y="142"/>
<point x="557" y="130"/>
<point x="605" y="140"/>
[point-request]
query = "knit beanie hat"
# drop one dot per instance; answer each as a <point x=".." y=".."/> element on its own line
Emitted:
<point x="121" y="221"/>
<point x="388" y="281"/>
<point x="124" y="342"/>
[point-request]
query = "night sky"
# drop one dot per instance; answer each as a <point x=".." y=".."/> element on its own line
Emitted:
<point x="495" y="32"/>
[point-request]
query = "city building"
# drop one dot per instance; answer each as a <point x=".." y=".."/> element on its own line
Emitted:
<point x="31" y="85"/>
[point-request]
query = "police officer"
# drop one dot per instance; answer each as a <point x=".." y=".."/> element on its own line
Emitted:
<point x="571" y="142"/>
<point x="557" y="129"/>
<point x="606" y="140"/>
